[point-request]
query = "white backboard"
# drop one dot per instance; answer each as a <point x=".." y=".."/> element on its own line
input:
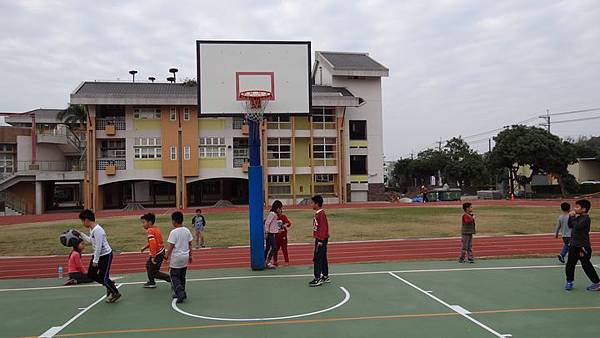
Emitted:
<point x="226" y="68"/>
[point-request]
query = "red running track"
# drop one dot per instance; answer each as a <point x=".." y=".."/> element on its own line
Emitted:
<point x="301" y="254"/>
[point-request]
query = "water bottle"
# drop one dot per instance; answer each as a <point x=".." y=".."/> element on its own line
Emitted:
<point x="60" y="271"/>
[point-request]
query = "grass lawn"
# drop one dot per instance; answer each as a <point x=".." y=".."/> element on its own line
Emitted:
<point x="227" y="229"/>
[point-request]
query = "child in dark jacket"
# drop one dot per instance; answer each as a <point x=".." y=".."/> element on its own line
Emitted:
<point x="580" y="248"/>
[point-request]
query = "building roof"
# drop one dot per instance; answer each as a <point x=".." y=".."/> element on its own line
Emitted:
<point x="128" y="89"/>
<point x="41" y="116"/>
<point x="352" y="61"/>
<point x="328" y="90"/>
<point x="179" y="94"/>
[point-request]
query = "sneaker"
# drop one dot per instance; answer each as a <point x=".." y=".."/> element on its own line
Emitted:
<point x="569" y="286"/>
<point x="593" y="287"/>
<point x="149" y="285"/>
<point x="461" y="260"/>
<point x="315" y="282"/>
<point x="471" y="260"/>
<point x="561" y="259"/>
<point x="180" y="300"/>
<point x="70" y="282"/>
<point x="270" y="266"/>
<point x="325" y="279"/>
<point x="113" y="298"/>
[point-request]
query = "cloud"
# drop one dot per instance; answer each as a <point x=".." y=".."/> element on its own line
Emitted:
<point x="456" y="67"/>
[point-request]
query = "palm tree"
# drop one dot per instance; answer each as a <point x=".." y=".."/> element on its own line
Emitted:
<point x="75" y="115"/>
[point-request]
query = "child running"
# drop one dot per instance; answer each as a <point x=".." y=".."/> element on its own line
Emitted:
<point x="157" y="251"/>
<point x="281" y="237"/>
<point x="562" y="226"/>
<point x="77" y="273"/>
<point x="99" y="268"/>
<point x="199" y="222"/>
<point x="179" y="254"/>
<point x="467" y="232"/>
<point x="580" y="248"/>
<point x="272" y="227"/>
<point x="321" y="235"/>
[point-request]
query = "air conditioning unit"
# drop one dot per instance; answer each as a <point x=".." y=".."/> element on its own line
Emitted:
<point x="110" y="130"/>
<point x="245" y="167"/>
<point x="110" y="170"/>
<point x="244" y="129"/>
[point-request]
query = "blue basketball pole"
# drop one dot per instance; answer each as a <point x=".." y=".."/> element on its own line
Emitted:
<point x="255" y="190"/>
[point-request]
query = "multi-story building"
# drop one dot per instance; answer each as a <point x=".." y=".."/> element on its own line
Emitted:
<point x="41" y="165"/>
<point x="148" y="145"/>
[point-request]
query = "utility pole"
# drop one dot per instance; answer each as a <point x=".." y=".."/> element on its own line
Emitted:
<point x="439" y="178"/>
<point x="490" y="145"/>
<point x="547" y="118"/>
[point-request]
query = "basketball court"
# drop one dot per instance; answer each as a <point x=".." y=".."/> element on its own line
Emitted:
<point x="492" y="298"/>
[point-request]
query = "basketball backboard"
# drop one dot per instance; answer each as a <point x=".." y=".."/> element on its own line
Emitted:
<point x="227" y="68"/>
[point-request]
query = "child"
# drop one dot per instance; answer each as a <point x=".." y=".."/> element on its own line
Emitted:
<point x="178" y="254"/>
<point x="271" y="227"/>
<point x="562" y="225"/>
<point x="157" y="251"/>
<point x="281" y="237"/>
<point x="77" y="274"/>
<point x="199" y="223"/>
<point x="321" y="235"/>
<point x="580" y="248"/>
<point x="467" y="232"/>
<point x="99" y="268"/>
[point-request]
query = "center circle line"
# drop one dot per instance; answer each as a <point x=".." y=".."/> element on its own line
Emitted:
<point x="344" y="301"/>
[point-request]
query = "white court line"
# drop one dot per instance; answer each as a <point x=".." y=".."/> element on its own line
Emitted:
<point x="51" y="332"/>
<point x="456" y="308"/>
<point x="344" y="301"/>
<point x="525" y="267"/>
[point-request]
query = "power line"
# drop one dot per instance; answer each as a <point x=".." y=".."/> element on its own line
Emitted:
<point x="575" y="112"/>
<point x="575" y="120"/>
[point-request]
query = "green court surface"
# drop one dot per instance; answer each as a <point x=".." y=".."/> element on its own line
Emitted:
<point x="492" y="298"/>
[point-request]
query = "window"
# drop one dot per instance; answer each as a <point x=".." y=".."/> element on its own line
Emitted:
<point x="112" y="148"/>
<point x="173" y="153"/>
<point x="173" y="115"/>
<point x="358" y="165"/>
<point x="186" y="114"/>
<point x="240" y="151"/>
<point x="186" y="153"/>
<point x="324" y="183"/>
<point x="279" y="152"/>
<point x="279" y="185"/>
<point x="323" y="118"/>
<point x="7" y="163"/>
<point x="238" y="122"/>
<point x="211" y="147"/>
<point x="358" y="130"/>
<point x="147" y="148"/>
<point x="146" y="114"/>
<point x="324" y="151"/>
<point x="278" y="122"/>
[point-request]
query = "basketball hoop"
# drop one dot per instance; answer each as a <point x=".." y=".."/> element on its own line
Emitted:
<point x="254" y="103"/>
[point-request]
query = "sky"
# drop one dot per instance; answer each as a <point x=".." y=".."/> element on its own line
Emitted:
<point x="456" y="67"/>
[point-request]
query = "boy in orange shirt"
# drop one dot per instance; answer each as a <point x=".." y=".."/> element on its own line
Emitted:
<point x="157" y="251"/>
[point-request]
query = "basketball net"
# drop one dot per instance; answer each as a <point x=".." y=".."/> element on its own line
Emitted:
<point x="254" y="103"/>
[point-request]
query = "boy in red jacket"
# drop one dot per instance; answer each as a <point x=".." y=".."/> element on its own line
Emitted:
<point x="321" y="235"/>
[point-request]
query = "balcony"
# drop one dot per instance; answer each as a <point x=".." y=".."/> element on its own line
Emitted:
<point x="77" y="165"/>
<point x="110" y="164"/>
<point x="110" y="124"/>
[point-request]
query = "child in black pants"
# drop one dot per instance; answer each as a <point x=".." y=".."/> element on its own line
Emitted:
<point x="580" y="248"/>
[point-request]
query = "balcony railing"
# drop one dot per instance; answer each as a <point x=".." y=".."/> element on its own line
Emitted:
<point x="51" y="165"/>
<point x="102" y="122"/>
<point x="101" y="164"/>
<point x="113" y="153"/>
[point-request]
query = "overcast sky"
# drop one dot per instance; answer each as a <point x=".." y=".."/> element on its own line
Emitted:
<point x="456" y="67"/>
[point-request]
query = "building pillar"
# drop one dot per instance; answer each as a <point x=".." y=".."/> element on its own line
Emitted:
<point x="39" y="198"/>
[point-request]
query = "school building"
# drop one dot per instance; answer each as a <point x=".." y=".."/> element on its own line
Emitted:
<point x="145" y="145"/>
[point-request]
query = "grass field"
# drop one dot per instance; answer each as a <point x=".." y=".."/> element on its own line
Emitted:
<point x="229" y="229"/>
<point x="494" y="298"/>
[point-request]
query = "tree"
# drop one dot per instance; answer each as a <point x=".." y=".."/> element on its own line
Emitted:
<point x="75" y="115"/>
<point x="542" y="151"/>
<point x="463" y="165"/>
